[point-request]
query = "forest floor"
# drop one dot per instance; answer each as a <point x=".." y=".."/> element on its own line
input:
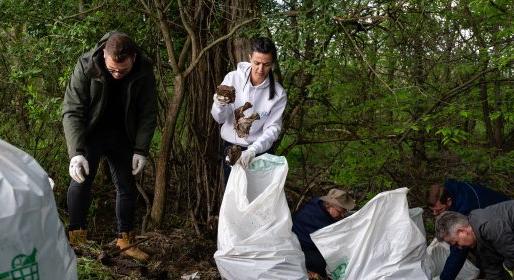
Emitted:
<point x="175" y="250"/>
<point x="175" y="254"/>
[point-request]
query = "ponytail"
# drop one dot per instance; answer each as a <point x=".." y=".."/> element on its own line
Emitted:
<point x="272" y="90"/>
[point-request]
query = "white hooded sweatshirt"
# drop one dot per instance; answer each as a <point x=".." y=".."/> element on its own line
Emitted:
<point x="264" y="131"/>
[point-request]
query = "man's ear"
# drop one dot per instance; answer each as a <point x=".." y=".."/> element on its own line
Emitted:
<point x="461" y="230"/>
<point x="449" y="201"/>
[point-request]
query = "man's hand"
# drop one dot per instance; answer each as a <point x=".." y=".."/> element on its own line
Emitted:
<point x="79" y="166"/>
<point x="138" y="162"/>
<point x="246" y="157"/>
<point x="220" y="100"/>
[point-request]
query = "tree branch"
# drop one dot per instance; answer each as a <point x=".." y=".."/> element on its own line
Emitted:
<point x="212" y="44"/>
<point x="190" y="32"/>
<point x="449" y="95"/>
<point x="172" y="61"/>
<point x="83" y="13"/>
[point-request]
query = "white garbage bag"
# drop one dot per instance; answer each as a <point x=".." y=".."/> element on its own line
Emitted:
<point x="380" y="241"/>
<point x="255" y="240"/>
<point x="33" y="244"/>
<point x="416" y="214"/>
<point x="438" y="252"/>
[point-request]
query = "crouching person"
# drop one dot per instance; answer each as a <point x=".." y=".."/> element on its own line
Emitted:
<point x="489" y="232"/>
<point x="318" y="213"/>
<point x="109" y="110"/>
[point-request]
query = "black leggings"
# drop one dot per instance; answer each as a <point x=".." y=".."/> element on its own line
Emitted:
<point x="119" y="156"/>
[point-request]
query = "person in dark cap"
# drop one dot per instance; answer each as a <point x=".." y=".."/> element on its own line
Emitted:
<point x="318" y="213"/>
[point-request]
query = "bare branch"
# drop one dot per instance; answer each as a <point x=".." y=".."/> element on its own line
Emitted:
<point x="189" y="29"/>
<point x="183" y="53"/>
<point x="83" y="13"/>
<point x="165" y="30"/>
<point x="145" y="6"/>
<point x="215" y="42"/>
<point x="449" y="95"/>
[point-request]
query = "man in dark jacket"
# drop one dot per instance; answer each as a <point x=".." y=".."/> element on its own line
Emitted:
<point x="461" y="197"/>
<point x="109" y="109"/>
<point x="318" y="213"/>
<point x="489" y="232"/>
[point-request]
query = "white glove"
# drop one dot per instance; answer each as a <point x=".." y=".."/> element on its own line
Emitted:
<point x="220" y="100"/>
<point x="138" y="162"/>
<point x="246" y="157"/>
<point x="79" y="166"/>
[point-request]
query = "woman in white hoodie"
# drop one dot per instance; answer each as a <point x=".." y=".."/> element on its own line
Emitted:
<point x="253" y="82"/>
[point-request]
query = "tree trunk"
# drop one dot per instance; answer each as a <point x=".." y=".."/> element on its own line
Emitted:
<point x="158" y="206"/>
<point x="485" y="110"/>
<point x="194" y="64"/>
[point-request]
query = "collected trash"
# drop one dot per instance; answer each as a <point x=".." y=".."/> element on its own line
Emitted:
<point x="232" y="154"/>
<point x="228" y="93"/>
<point x="192" y="276"/>
<point x="243" y="124"/>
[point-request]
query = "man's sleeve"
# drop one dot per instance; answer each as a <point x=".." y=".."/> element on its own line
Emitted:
<point x="492" y="255"/>
<point x="147" y="105"/>
<point x="75" y="111"/>
<point x="454" y="263"/>
<point x="272" y="127"/>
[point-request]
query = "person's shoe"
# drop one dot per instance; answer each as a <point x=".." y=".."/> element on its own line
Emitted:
<point x="126" y="239"/>
<point x="77" y="237"/>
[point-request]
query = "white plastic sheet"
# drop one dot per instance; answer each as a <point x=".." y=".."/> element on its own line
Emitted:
<point x="380" y="241"/>
<point x="33" y="244"/>
<point x="255" y="240"/>
<point x="416" y="214"/>
<point x="438" y="252"/>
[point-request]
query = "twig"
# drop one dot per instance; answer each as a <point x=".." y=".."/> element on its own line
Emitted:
<point x="83" y="13"/>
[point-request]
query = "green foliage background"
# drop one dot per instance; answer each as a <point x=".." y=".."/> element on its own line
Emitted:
<point x="381" y="94"/>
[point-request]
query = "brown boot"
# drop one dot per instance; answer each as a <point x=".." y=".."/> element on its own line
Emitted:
<point x="77" y="237"/>
<point x="125" y="240"/>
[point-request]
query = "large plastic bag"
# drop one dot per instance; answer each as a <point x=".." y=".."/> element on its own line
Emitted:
<point x="438" y="252"/>
<point x="380" y="241"/>
<point x="32" y="240"/>
<point x="255" y="240"/>
<point x="416" y="214"/>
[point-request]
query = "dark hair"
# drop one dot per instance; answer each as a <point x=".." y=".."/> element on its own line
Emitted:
<point x="437" y="193"/>
<point x="119" y="46"/>
<point x="265" y="45"/>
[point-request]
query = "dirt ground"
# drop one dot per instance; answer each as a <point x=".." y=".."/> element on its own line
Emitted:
<point x="174" y="255"/>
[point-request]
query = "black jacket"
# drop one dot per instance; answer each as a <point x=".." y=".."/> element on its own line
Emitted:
<point x="86" y="98"/>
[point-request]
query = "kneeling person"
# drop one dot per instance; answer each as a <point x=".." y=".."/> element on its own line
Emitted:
<point x="318" y="213"/>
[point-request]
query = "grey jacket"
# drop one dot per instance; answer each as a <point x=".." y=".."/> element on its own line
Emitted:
<point x="494" y="229"/>
<point x="85" y="100"/>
